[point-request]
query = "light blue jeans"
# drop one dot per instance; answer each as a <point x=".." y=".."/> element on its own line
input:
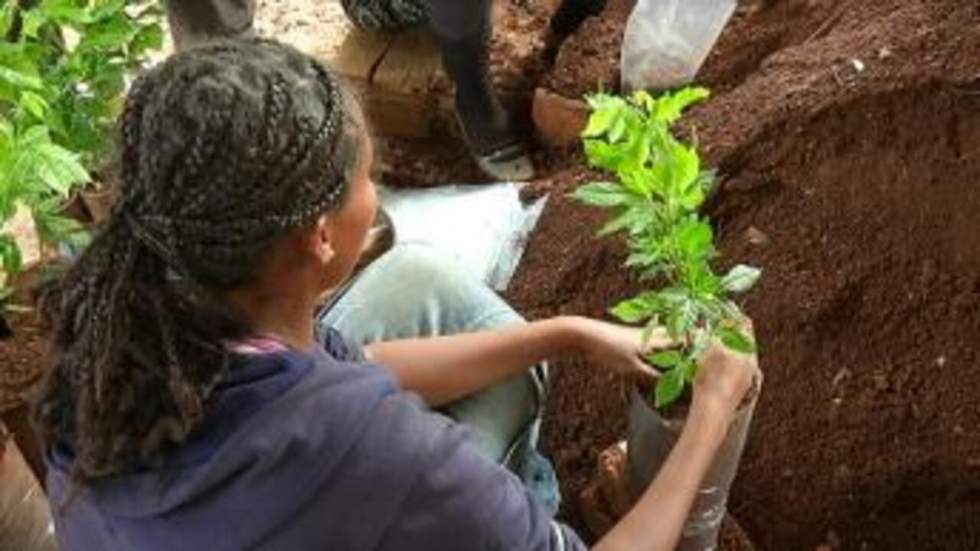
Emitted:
<point x="414" y="290"/>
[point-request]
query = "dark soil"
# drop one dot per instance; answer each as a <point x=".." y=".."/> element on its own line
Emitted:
<point x="854" y="184"/>
<point x="847" y="135"/>
<point x="589" y="59"/>
<point x="20" y="359"/>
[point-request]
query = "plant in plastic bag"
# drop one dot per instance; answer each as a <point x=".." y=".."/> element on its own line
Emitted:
<point x="654" y="199"/>
<point x="666" y="41"/>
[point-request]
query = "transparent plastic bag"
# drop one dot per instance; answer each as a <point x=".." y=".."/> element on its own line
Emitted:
<point x="666" y="41"/>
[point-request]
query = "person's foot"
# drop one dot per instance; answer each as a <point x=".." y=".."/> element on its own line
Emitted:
<point x="491" y="142"/>
<point x="606" y="499"/>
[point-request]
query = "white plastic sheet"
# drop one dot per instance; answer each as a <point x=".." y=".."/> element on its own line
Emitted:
<point x="485" y="227"/>
<point x="666" y="41"/>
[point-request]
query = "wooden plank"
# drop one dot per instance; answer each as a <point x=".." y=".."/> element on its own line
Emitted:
<point x="402" y="96"/>
<point x="355" y="56"/>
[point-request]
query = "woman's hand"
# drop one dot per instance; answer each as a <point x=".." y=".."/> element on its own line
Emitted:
<point x="617" y="347"/>
<point x="724" y="378"/>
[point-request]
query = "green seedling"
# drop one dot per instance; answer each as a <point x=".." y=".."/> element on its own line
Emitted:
<point x="64" y="65"/>
<point x="658" y="188"/>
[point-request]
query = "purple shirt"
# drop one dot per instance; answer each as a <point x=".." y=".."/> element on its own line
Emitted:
<point x="302" y="451"/>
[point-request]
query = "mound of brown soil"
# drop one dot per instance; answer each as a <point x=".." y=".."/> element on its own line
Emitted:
<point x="21" y="356"/>
<point x="589" y="59"/>
<point x="849" y="146"/>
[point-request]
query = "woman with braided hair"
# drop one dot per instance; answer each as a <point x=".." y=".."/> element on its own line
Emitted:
<point x="462" y="28"/>
<point x="200" y="397"/>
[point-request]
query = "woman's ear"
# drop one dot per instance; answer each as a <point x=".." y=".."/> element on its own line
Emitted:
<point x="322" y="241"/>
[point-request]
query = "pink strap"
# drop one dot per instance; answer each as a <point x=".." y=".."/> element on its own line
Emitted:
<point x="257" y="345"/>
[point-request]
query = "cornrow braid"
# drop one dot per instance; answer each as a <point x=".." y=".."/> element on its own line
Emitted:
<point x="222" y="149"/>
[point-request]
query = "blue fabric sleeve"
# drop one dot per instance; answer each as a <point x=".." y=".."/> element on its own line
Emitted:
<point x="338" y="347"/>
<point x="461" y="499"/>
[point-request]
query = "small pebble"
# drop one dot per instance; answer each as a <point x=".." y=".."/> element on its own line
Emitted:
<point x="833" y="539"/>
<point x="757" y="237"/>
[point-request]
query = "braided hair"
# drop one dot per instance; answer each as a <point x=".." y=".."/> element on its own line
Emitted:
<point x="223" y="149"/>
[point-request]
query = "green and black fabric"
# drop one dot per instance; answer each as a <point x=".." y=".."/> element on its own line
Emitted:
<point x="386" y="15"/>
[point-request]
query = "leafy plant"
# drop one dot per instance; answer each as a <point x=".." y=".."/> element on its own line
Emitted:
<point x="68" y="63"/>
<point x="660" y="185"/>
<point x="64" y="66"/>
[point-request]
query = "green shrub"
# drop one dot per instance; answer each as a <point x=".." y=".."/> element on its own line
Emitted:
<point x="64" y="66"/>
<point x="659" y="187"/>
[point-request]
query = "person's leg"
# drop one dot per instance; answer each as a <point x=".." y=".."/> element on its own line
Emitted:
<point x="385" y="15"/>
<point x="463" y="29"/>
<point x="415" y="291"/>
<point x="195" y="22"/>
<point x="571" y="13"/>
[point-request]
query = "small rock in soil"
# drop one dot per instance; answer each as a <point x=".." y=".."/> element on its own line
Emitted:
<point x="757" y="237"/>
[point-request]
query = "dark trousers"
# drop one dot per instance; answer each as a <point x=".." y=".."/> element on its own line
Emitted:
<point x="462" y="28"/>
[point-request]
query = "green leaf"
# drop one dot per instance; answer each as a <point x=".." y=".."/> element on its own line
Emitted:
<point x="601" y="194"/>
<point x="693" y="198"/>
<point x="736" y="340"/>
<point x="20" y="80"/>
<point x="32" y="21"/>
<point x="600" y="121"/>
<point x="686" y="167"/>
<point x="695" y="237"/>
<point x="700" y="342"/>
<point x="645" y="101"/>
<point x="66" y="12"/>
<point x="637" y="309"/>
<point x="706" y="181"/>
<point x="651" y="259"/>
<point x="604" y="155"/>
<point x="670" y="107"/>
<point x="681" y="320"/>
<point x="618" y="129"/>
<point x="741" y="278"/>
<point x="33" y="104"/>
<point x="6" y="18"/>
<point x="665" y="359"/>
<point x="55" y="228"/>
<point x="110" y="33"/>
<point x="147" y="39"/>
<point x="669" y="388"/>
<point x="107" y="8"/>
<point x="10" y="257"/>
<point x="60" y="169"/>
<point x="635" y="218"/>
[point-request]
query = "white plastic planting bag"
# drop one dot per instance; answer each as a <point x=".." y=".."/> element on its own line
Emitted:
<point x="666" y="41"/>
<point x="484" y="227"/>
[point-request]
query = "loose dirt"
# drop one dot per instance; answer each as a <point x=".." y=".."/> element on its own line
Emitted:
<point x="847" y="135"/>
<point x="848" y="139"/>
<point x="21" y="361"/>
<point x="589" y="59"/>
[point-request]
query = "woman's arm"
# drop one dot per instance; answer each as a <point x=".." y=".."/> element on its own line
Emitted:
<point x="443" y="369"/>
<point x="656" y="521"/>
